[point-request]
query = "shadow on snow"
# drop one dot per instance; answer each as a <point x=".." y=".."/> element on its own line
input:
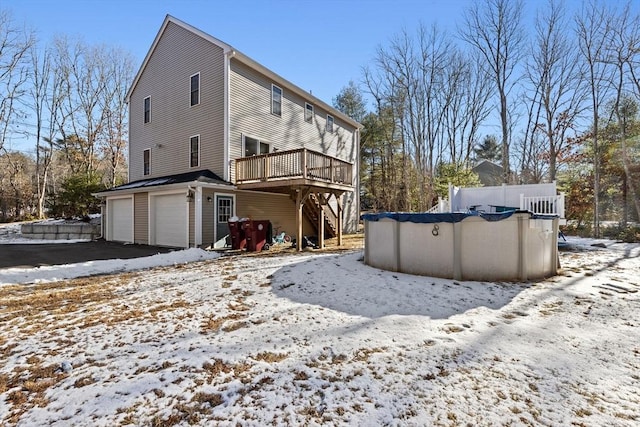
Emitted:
<point x="344" y="283"/>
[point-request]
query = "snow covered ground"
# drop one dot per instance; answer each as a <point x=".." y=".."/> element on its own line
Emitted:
<point x="322" y="339"/>
<point x="10" y="234"/>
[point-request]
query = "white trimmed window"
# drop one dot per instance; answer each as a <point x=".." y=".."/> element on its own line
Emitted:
<point x="276" y="100"/>
<point x="146" y="162"/>
<point x="194" y="150"/>
<point x="195" y="89"/>
<point x="147" y="109"/>
<point x="329" y="123"/>
<point x="308" y="112"/>
<point x="254" y="146"/>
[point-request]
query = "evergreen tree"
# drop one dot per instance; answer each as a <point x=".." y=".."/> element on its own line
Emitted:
<point x="488" y="149"/>
<point x="351" y="102"/>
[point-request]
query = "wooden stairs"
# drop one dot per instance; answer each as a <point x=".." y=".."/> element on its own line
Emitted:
<point x="311" y="210"/>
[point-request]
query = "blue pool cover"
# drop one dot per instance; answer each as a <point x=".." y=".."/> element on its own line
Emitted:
<point x="430" y="218"/>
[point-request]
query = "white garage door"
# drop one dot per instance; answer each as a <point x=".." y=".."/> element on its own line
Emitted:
<point x="120" y="216"/>
<point x="170" y="220"/>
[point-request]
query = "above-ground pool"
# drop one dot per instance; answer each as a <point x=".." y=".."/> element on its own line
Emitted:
<point x="510" y="246"/>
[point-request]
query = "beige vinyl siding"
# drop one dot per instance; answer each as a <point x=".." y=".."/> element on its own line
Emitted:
<point x="278" y="208"/>
<point x="250" y="114"/>
<point x="178" y="55"/>
<point x="141" y="218"/>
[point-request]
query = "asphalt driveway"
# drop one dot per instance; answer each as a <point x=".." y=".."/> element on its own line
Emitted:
<point x="36" y="255"/>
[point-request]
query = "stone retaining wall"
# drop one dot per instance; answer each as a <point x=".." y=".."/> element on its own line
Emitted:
<point x="79" y="231"/>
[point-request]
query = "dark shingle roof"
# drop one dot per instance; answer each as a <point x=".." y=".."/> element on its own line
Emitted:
<point x="205" y="176"/>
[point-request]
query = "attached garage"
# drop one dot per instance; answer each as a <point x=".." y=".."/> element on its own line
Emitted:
<point x="169" y="224"/>
<point x="120" y="219"/>
<point x="164" y="211"/>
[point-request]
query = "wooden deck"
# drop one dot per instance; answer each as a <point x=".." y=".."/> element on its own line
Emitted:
<point x="281" y="171"/>
<point x="311" y="178"/>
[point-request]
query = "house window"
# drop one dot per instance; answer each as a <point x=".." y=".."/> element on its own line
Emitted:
<point x="147" y="109"/>
<point x="329" y="123"/>
<point x="195" y="89"/>
<point x="146" y="162"/>
<point x="308" y="112"/>
<point x="225" y="209"/>
<point x="254" y="147"/>
<point x="194" y="150"/>
<point x="276" y="100"/>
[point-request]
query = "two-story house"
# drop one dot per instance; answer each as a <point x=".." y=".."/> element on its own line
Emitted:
<point x="213" y="134"/>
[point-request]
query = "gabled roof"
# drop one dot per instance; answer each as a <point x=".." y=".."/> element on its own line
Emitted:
<point x="203" y="176"/>
<point x="234" y="53"/>
<point x="487" y="163"/>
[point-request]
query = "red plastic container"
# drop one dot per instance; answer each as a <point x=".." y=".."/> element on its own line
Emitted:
<point x="258" y="234"/>
<point x="236" y="232"/>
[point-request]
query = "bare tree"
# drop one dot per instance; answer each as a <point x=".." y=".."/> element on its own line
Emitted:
<point x="620" y="52"/>
<point x="14" y="68"/>
<point x="414" y="81"/>
<point x="45" y="105"/>
<point x="468" y="93"/>
<point x="113" y="142"/>
<point x="494" y="29"/>
<point x="555" y="73"/>
<point x="381" y="143"/>
<point x="84" y="70"/>
<point x="593" y="27"/>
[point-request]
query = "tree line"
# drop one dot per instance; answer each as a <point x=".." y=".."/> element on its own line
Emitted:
<point x="68" y="97"/>
<point x="564" y="89"/>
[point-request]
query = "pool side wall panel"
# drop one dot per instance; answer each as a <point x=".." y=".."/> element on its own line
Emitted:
<point x="381" y="244"/>
<point x="516" y="248"/>
<point x="426" y="244"/>
<point x="489" y="249"/>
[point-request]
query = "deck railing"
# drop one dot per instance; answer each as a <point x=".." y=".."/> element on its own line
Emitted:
<point x="544" y="205"/>
<point x="300" y="163"/>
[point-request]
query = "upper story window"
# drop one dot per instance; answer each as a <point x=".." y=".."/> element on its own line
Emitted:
<point x="276" y="100"/>
<point x="195" y="89"/>
<point x="254" y="147"/>
<point x="194" y="150"/>
<point x="329" y="123"/>
<point x="308" y="112"/>
<point x="147" y="109"/>
<point x="146" y="162"/>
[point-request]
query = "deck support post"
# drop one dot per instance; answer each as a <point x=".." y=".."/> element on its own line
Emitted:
<point x="321" y="222"/>
<point x="302" y="194"/>
<point x="339" y="221"/>
<point x="299" y="206"/>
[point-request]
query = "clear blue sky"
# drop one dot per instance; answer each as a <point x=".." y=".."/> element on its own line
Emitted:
<point x="318" y="45"/>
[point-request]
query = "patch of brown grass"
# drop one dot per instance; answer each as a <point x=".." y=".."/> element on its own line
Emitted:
<point x="269" y="357"/>
<point x="28" y="385"/>
<point x="234" y="326"/>
<point x="212" y="399"/>
<point x="84" y="381"/>
<point x="238" y="305"/>
<point x="300" y="376"/>
<point x="217" y="371"/>
<point x="164" y="308"/>
<point x="215" y="323"/>
<point x="217" y="367"/>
